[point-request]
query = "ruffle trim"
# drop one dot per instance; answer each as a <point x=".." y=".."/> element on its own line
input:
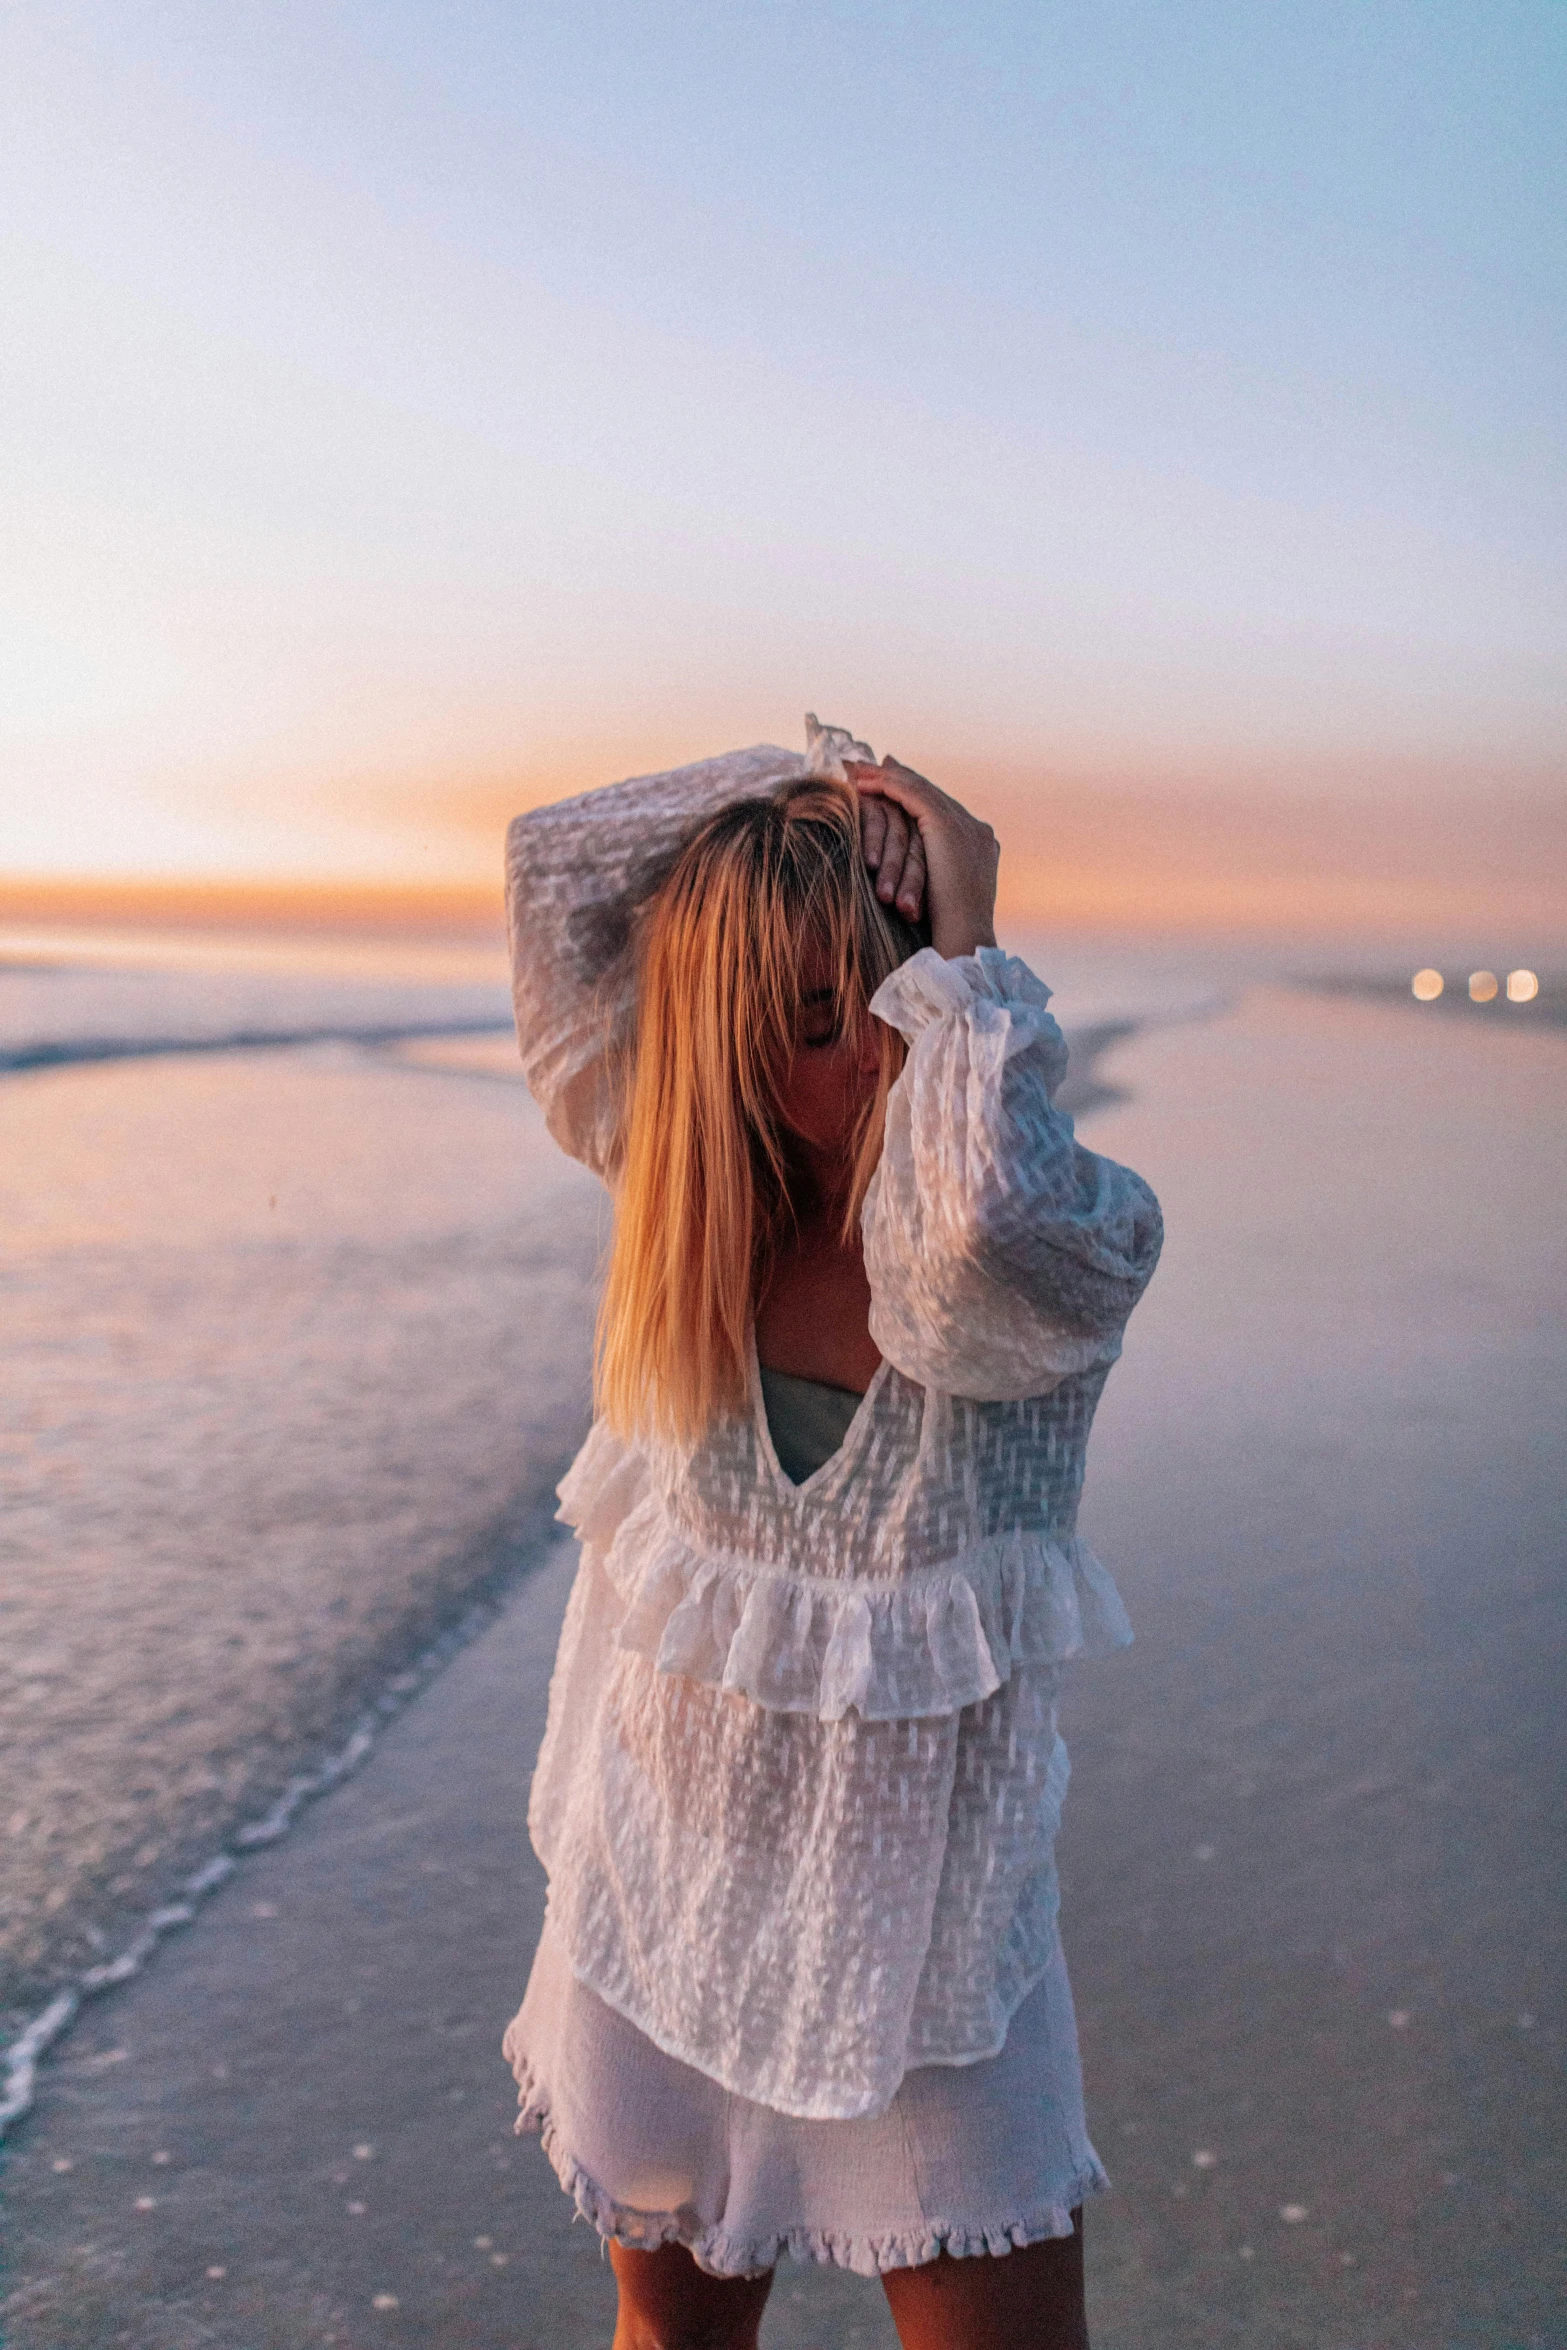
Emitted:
<point x="726" y="2255"/>
<point x="994" y="990"/>
<point x="604" y="1484"/>
<point x="892" y="1649"/>
<point x="927" y="1644"/>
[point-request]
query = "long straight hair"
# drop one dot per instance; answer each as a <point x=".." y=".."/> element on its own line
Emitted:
<point x="704" y="1191"/>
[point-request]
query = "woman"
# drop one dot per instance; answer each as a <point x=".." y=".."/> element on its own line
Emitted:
<point x="800" y="1986"/>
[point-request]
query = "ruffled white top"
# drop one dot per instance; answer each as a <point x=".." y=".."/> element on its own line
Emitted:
<point x="800" y="1784"/>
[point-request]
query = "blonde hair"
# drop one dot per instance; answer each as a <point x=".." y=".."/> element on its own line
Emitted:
<point x="703" y="1196"/>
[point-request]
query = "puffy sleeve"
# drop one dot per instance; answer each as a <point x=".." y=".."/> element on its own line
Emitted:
<point x="1002" y="1255"/>
<point x="576" y="875"/>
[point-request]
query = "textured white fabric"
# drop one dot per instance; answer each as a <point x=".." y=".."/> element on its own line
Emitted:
<point x="576" y="872"/>
<point x="828" y="749"/>
<point x="800" y="1784"/>
<point x="968" y="2159"/>
<point x="1002" y="1255"/>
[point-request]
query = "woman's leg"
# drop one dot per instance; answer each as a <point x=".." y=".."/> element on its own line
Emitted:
<point x="668" y="2303"/>
<point x="1026" y="2300"/>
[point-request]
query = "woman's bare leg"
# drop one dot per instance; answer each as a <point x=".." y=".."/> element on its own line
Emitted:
<point x="668" y="2303"/>
<point x="1027" y="2300"/>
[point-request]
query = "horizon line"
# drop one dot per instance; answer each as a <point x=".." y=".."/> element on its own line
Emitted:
<point x="1068" y="893"/>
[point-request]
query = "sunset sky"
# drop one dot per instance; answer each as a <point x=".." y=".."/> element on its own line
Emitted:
<point x="1148" y="418"/>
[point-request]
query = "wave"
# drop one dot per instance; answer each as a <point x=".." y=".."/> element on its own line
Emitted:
<point x="73" y="1051"/>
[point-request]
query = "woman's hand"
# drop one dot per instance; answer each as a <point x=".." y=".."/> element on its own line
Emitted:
<point x="925" y="849"/>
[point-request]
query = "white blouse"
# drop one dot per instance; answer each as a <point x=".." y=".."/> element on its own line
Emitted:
<point x="800" y="1783"/>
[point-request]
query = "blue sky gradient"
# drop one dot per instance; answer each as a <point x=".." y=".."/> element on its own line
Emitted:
<point x="410" y="409"/>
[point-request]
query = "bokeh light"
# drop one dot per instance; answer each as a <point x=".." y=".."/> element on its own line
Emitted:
<point x="1426" y="986"/>
<point x="1522" y="987"/>
<point x="1482" y="986"/>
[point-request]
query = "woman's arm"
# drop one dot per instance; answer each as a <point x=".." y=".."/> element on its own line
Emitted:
<point x="576" y="874"/>
<point x="1002" y="1255"/>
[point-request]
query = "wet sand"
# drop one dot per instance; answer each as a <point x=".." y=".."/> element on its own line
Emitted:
<point x="1313" y="1855"/>
<point x="1313" y="1864"/>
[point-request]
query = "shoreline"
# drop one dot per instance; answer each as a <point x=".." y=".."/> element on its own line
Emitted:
<point x="91" y="1052"/>
<point x="521" y="1551"/>
<point x="297" y="1350"/>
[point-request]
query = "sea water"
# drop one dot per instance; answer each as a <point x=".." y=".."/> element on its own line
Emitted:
<point x="296" y="1341"/>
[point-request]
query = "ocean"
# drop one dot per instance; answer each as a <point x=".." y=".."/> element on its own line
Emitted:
<point x="296" y="1302"/>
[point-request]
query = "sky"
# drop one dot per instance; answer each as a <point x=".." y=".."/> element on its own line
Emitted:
<point x="1147" y="419"/>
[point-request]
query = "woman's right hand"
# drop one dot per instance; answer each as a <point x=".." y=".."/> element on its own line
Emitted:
<point x="928" y="851"/>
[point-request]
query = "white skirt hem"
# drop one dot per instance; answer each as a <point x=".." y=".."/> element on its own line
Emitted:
<point x="723" y="2255"/>
<point x="969" y="2160"/>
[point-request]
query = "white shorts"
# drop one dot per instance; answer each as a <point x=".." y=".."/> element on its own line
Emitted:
<point x="967" y="2158"/>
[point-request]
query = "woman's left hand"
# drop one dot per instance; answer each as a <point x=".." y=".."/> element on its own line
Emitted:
<point x="927" y="850"/>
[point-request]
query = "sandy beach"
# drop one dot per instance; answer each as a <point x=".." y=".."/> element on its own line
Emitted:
<point x="1312" y="1860"/>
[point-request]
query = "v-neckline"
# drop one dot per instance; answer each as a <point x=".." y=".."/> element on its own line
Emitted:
<point x="764" y="1436"/>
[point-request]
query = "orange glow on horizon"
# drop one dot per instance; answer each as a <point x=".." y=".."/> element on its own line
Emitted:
<point x="173" y="902"/>
<point x="1075" y="853"/>
<point x="1133" y="897"/>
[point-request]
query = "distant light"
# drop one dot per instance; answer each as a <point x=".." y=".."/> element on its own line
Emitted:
<point x="1482" y="986"/>
<point x="1522" y="987"/>
<point x="1426" y="986"/>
